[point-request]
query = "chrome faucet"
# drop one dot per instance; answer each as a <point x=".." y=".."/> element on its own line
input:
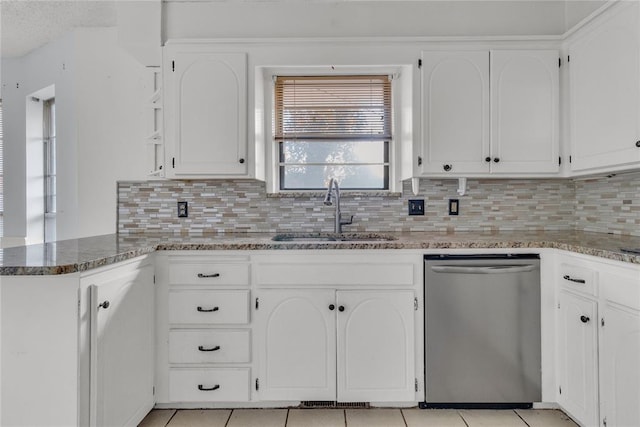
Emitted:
<point x="339" y="222"/>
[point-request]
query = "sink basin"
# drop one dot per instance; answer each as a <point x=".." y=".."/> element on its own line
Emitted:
<point x="345" y="237"/>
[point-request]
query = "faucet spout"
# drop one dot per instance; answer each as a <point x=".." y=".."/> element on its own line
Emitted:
<point x="333" y="186"/>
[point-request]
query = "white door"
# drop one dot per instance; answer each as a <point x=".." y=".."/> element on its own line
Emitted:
<point x="605" y="92"/>
<point x="296" y="342"/>
<point x="455" y="112"/>
<point x="206" y="114"/>
<point x="577" y="357"/>
<point x="376" y="346"/>
<point x="524" y="111"/>
<point x="122" y="349"/>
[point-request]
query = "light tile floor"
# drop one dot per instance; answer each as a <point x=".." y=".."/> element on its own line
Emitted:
<point x="355" y="418"/>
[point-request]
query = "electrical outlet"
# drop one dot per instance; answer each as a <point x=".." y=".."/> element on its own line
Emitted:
<point x="416" y="207"/>
<point x="183" y="209"/>
<point x="454" y="206"/>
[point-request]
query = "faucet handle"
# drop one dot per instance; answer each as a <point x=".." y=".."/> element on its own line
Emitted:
<point x="346" y="222"/>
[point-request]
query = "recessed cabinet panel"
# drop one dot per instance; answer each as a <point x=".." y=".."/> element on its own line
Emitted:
<point x="375" y="346"/>
<point x="605" y="92"/>
<point x="297" y="345"/>
<point x="524" y="111"/>
<point x="207" y="115"/>
<point x="455" y="112"/>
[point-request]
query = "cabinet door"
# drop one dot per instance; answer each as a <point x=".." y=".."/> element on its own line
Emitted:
<point x="122" y="349"/>
<point x="524" y="111"/>
<point x="455" y="112"/>
<point x="577" y="353"/>
<point x="620" y="347"/>
<point x="605" y="92"/>
<point x="296" y="341"/>
<point x="376" y="346"/>
<point x="206" y="114"/>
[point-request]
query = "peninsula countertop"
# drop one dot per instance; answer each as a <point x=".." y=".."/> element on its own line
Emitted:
<point x="78" y="255"/>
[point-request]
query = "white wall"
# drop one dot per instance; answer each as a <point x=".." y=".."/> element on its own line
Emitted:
<point x="51" y="65"/>
<point x="230" y="19"/>
<point x="99" y="104"/>
<point x="577" y="10"/>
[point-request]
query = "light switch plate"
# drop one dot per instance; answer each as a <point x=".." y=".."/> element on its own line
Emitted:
<point x="454" y="206"/>
<point x="183" y="209"/>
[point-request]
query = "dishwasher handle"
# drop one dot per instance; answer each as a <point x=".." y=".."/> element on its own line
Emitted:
<point x="488" y="269"/>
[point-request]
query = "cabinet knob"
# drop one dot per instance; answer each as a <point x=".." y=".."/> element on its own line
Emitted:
<point x="341" y="308"/>
<point x="638" y="144"/>
<point x="584" y="319"/>
<point x="447" y="167"/>
<point x="332" y="307"/>
<point x="487" y="159"/>
<point x="241" y="161"/>
<point x="496" y="159"/>
<point x="104" y="304"/>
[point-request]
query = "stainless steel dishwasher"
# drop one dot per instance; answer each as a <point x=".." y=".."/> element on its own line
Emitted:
<point x="482" y="327"/>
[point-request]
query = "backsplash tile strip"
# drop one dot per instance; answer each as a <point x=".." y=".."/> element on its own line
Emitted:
<point x="244" y="206"/>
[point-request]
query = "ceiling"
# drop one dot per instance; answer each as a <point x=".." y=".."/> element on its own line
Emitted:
<point x="29" y="24"/>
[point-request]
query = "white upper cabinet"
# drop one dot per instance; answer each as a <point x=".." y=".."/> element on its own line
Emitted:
<point x="524" y="111"/>
<point x="604" y="81"/>
<point x="205" y="113"/>
<point x="455" y="112"/>
<point x="477" y="122"/>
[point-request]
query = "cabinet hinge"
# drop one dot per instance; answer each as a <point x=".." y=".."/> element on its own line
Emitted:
<point x="173" y="66"/>
<point x="560" y="389"/>
<point x="173" y="162"/>
<point x="153" y="390"/>
<point x="154" y="279"/>
<point x="415" y="304"/>
<point x="604" y="421"/>
<point x="419" y="63"/>
<point x="569" y="159"/>
<point x="257" y="384"/>
<point x="257" y="303"/>
<point x="559" y="161"/>
<point x="568" y="58"/>
<point x="559" y="62"/>
<point x="416" y="384"/>
<point x="419" y="161"/>
<point x="558" y="306"/>
<point x="602" y="322"/>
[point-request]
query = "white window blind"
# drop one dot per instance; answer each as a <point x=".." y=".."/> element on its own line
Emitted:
<point x="333" y="126"/>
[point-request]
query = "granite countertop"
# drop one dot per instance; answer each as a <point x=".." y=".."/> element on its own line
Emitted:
<point x="77" y="255"/>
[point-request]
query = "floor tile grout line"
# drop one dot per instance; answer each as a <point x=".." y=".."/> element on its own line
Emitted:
<point x="229" y="418"/>
<point x="462" y="418"/>
<point x="175" y="411"/>
<point x="403" y="418"/>
<point x="344" y="416"/>
<point x="286" y="419"/>
<point x="523" y="420"/>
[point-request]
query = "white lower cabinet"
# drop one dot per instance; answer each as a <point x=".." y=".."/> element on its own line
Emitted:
<point x="598" y="341"/>
<point x="77" y="349"/>
<point x="336" y="345"/>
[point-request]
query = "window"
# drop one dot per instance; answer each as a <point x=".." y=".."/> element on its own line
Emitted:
<point x="333" y="127"/>
<point x="49" y="168"/>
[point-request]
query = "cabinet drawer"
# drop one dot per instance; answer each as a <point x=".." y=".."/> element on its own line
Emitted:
<point x="621" y="286"/>
<point x="209" y="385"/>
<point x="208" y="273"/>
<point x="209" y="346"/>
<point x="208" y="307"/>
<point x="578" y="278"/>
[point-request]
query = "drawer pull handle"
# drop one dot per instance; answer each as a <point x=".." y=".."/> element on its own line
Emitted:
<point x="571" y="279"/>
<point x="202" y="348"/>
<point x="206" y="276"/>
<point x="203" y="388"/>
<point x="207" y="310"/>
<point x="584" y="319"/>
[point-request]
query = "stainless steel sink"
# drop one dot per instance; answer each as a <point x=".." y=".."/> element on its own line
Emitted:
<point x="344" y="237"/>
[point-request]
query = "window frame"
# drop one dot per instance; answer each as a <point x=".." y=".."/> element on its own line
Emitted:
<point x="402" y="127"/>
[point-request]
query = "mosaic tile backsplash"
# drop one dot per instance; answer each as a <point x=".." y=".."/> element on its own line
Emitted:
<point x="243" y="206"/>
<point x="609" y="205"/>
